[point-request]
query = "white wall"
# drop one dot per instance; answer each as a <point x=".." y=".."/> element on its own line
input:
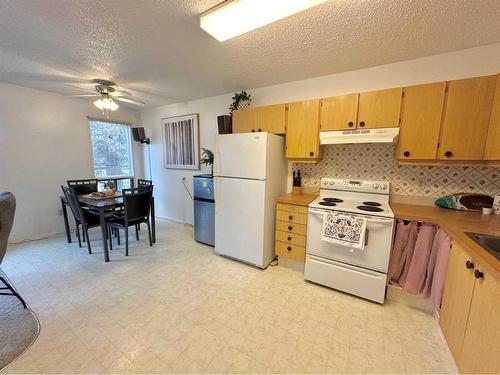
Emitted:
<point x="173" y="201"/>
<point x="44" y="141"/>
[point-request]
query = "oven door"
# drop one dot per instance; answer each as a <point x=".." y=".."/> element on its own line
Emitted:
<point x="378" y="241"/>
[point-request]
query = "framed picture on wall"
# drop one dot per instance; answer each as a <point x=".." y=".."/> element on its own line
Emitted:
<point x="181" y="142"/>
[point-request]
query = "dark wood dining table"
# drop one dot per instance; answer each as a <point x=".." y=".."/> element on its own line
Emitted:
<point x="103" y="208"/>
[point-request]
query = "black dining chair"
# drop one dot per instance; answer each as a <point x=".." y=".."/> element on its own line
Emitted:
<point x="82" y="217"/>
<point x="85" y="186"/>
<point x="136" y="208"/>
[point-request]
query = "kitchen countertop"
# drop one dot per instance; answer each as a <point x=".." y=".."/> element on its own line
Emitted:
<point x="455" y="223"/>
<point x="298" y="199"/>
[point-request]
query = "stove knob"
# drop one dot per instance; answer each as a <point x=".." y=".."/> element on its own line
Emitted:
<point x="375" y="186"/>
<point x="331" y="182"/>
<point x="383" y="186"/>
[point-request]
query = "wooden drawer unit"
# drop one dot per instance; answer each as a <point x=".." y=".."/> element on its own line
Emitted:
<point x="291" y="227"/>
<point x="291" y="251"/>
<point x="291" y="238"/>
<point x="291" y="208"/>
<point x="291" y="217"/>
<point x="291" y="231"/>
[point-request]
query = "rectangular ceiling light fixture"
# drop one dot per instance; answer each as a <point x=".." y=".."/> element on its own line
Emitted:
<point x="236" y="17"/>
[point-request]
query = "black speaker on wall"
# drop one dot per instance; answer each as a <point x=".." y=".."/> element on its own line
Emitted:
<point x="139" y="135"/>
<point x="225" y="123"/>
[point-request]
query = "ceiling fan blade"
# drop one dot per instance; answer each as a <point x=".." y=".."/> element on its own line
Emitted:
<point x="119" y="93"/>
<point x="85" y="89"/>
<point x="82" y="96"/>
<point x="130" y="101"/>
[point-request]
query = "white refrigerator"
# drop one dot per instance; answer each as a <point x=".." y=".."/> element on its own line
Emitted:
<point x="250" y="172"/>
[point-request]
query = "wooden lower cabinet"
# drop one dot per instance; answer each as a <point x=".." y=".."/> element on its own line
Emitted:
<point x="470" y="313"/>
<point x="481" y="346"/>
<point x="456" y="298"/>
<point x="291" y="230"/>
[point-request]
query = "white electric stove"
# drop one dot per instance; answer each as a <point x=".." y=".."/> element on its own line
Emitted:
<point x="359" y="272"/>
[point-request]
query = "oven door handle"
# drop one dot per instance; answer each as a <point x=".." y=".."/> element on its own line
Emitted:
<point x="370" y="220"/>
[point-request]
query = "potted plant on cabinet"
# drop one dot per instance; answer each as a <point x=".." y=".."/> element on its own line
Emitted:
<point x="240" y="100"/>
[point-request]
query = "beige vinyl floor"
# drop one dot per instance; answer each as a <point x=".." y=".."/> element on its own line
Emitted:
<point x="178" y="307"/>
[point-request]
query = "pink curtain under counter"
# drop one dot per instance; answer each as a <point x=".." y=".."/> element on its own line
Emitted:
<point x="419" y="260"/>
<point x="417" y="267"/>
<point x="437" y="269"/>
<point x="397" y="261"/>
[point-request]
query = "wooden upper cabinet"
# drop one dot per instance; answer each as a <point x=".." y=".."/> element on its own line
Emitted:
<point x="379" y="109"/>
<point x="421" y="121"/>
<point x="339" y="112"/>
<point x="270" y="118"/>
<point x="456" y="298"/>
<point x="492" y="149"/>
<point x="302" y="130"/>
<point x="466" y="118"/>
<point x="481" y="346"/>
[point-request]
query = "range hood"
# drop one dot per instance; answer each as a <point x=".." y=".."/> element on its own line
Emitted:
<point x="382" y="135"/>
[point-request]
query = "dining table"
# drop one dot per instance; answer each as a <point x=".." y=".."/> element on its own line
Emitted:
<point x="103" y="208"/>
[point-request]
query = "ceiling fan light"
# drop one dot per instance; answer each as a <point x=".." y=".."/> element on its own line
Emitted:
<point x="105" y="103"/>
<point x="236" y="17"/>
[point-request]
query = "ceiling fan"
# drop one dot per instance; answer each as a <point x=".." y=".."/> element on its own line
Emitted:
<point x="106" y="95"/>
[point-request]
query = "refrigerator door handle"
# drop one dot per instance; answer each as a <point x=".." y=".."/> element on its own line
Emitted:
<point x="216" y="194"/>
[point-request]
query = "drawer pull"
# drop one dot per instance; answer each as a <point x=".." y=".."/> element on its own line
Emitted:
<point x="469" y="265"/>
<point x="290" y="227"/>
<point x="478" y="274"/>
<point x="290" y="217"/>
<point x="448" y="154"/>
<point x="289" y="248"/>
<point x="289" y="238"/>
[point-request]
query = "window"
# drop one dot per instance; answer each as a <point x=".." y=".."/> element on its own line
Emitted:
<point x="112" y="149"/>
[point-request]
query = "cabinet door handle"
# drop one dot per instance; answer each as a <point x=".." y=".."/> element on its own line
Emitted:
<point x="289" y="248"/>
<point x="290" y="217"/>
<point x="448" y="154"/>
<point x="350" y="124"/>
<point x="289" y="238"/>
<point x="478" y="274"/>
<point x="361" y="123"/>
<point x="253" y="130"/>
<point x="469" y="265"/>
<point x="406" y="153"/>
<point x="260" y="129"/>
<point x="290" y="227"/>
<point x="311" y="153"/>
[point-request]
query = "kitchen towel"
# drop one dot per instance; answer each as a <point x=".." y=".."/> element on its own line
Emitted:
<point x="417" y="271"/>
<point x="345" y="230"/>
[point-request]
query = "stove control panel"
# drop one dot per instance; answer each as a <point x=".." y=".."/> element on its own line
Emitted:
<point x="381" y="187"/>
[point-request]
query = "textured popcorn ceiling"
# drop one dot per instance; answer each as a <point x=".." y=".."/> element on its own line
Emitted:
<point x="376" y="162"/>
<point x="158" y="49"/>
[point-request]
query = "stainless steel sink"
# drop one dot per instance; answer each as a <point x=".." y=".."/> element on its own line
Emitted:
<point x="490" y="243"/>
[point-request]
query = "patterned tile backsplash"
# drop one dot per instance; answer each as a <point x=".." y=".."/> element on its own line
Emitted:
<point x="376" y="162"/>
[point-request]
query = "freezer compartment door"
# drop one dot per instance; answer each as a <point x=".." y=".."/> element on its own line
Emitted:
<point x="204" y="220"/>
<point x="358" y="281"/>
<point x="239" y="219"/>
<point x="241" y="155"/>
